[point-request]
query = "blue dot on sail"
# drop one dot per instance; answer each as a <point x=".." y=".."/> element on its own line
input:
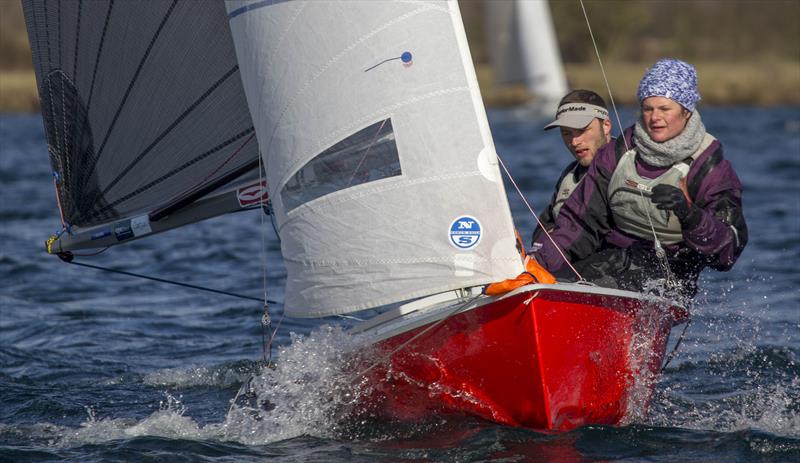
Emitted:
<point x="406" y="57"/>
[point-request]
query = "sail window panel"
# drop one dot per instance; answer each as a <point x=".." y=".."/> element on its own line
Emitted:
<point x="365" y="156"/>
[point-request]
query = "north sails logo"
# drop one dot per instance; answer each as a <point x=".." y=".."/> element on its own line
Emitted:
<point x="465" y="232"/>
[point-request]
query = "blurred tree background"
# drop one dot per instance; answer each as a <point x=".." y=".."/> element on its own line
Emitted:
<point x="746" y="51"/>
<point x="644" y="30"/>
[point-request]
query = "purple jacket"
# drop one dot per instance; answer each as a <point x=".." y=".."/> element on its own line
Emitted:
<point x="715" y="237"/>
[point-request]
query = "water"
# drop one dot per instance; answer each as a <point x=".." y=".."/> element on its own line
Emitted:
<point x="103" y="367"/>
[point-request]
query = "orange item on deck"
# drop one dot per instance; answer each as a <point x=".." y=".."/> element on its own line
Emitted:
<point x="534" y="273"/>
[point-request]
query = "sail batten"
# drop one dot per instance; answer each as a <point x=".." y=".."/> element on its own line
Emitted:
<point x="132" y="164"/>
<point x="132" y="82"/>
<point x="99" y="53"/>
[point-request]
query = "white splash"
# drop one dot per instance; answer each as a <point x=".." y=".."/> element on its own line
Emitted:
<point x="219" y="376"/>
<point x="738" y="372"/>
<point x="310" y="391"/>
<point x="168" y="421"/>
<point x="769" y="408"/>
<point x="646" y="351"/>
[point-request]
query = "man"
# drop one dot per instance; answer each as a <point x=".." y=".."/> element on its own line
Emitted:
<point x="582" y="118"/>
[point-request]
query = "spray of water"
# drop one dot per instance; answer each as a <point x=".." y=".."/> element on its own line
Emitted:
<point x="225" y="375"/>
<point x="646" y="348"/>
<point x="168" y="421"/>
<point x="311" y="390"/>
<point x="736" y="371"/>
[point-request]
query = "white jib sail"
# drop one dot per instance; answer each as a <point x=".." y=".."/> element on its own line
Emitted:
<point x="381" y="166"/>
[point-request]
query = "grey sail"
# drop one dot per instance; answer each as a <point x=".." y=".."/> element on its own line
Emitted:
<point x="145" y="116"/>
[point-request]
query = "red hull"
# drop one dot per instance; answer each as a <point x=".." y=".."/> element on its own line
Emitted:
<point x="555" y="361"/>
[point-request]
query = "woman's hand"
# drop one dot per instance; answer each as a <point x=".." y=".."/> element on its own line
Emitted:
<point x="669" y="198"/>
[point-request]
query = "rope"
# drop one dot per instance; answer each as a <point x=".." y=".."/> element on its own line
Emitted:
<point x="241" y="147"/>
<point x="92" y="254"/>
<point x="160" y="280"/>
<point x="558" y="248"/>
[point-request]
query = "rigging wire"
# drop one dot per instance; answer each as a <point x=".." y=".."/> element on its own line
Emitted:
<point x="58" y="202"/>
<point x="366" y="152"/>
<point x="68" y="256"/>
<point x="266" y="320"/>
<point x="547" y="233"/>
<point x="659" y="250"/>
<point x="605" y="78"/>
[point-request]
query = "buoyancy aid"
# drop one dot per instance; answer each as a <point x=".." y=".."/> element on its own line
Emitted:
<point x="629" y="197"/>
<point x="565" y="188"/>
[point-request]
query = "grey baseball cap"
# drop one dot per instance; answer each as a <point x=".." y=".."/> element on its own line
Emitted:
<point x="577" y="115"/>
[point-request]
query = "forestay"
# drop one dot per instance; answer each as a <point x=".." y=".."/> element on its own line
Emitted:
<point x="144" y="113"/>
<point x="379" y="158"/>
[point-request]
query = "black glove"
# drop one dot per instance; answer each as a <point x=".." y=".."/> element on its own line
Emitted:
<point x="669" y="198"/>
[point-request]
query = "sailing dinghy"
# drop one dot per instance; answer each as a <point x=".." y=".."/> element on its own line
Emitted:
<point x="384" y="184"/>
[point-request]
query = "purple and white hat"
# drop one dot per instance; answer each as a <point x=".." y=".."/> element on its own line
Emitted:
<point x="673" y="79"/>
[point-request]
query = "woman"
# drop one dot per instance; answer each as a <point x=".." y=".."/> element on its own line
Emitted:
<point x="663" y="185"/>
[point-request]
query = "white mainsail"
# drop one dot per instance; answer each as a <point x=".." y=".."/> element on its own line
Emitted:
<point x="523" y="48"/>
<point x="380" y="163"/>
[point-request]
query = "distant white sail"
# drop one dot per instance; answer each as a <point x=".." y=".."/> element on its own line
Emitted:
<point x="380" y="162"/>
<point x="523" y="47"/>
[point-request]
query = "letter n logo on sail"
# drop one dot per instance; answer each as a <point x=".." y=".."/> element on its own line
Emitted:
<point x="465" y="232"/>
<point x="253" y="193"/>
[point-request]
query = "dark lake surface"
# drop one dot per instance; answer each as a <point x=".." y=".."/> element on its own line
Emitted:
<point x="103" y="367"/>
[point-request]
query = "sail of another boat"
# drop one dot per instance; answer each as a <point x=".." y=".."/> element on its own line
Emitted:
<point x="523" y="49"/>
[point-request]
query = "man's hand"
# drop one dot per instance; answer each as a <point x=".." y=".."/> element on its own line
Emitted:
<point x="669" y="198"/>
